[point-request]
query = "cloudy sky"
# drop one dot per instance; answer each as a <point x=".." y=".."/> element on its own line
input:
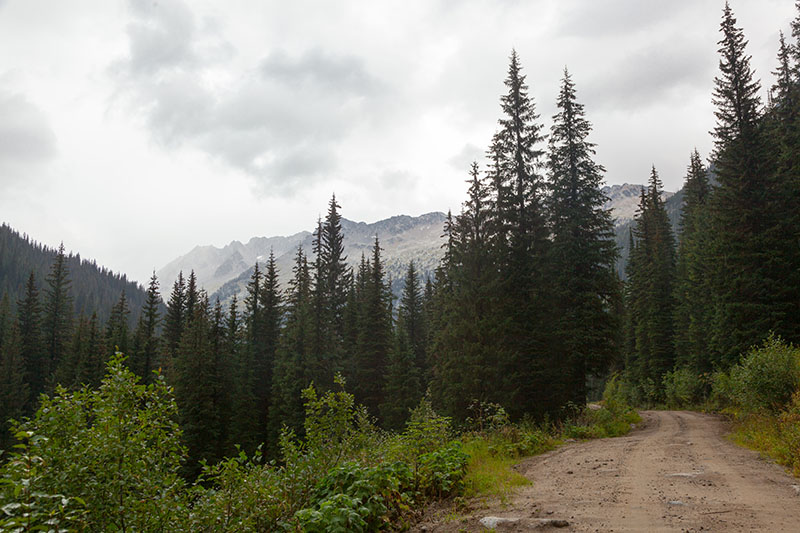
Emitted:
<point x="134" y="130"/>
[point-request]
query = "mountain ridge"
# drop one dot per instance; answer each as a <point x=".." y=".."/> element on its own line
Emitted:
<point x="225" y="271"/>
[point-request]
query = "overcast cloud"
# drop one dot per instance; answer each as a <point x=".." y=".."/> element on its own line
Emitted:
<point x="134" y="130"/>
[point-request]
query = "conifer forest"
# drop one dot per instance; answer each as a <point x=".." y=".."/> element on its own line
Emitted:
<point x="128" y="408"/>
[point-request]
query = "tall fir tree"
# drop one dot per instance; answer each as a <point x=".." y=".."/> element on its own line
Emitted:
<point x="145" y="359"/>
<point x="243" y="424"/>
<point x="651" y="273"/>
<point x="693" y="311"/>
<point x="520" y="244"/>
<point x="271" y="317"/>
<point x="175" y="320"/>
<point x="292" y="371"/>
<point x="411" y="317"/>
<point x="742" y="214"/>
<point x="582" y="255"/>
<point x="195" y="378"/>
<point x="29" y="319"/>
<point x="371" y="353"/>
<point x="468" y="347"/>
<point x="57" y="318"/>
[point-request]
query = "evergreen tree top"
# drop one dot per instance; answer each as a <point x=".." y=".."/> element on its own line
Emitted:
<point x="735" y="89"/>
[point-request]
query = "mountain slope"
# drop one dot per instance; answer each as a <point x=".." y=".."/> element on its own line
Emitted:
<point x="94" y="288"/>
<point x="225" y="271"/>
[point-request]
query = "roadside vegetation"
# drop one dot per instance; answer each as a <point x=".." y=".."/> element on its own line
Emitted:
<point x="762" y="395"/>
<point x="109" y="459"/>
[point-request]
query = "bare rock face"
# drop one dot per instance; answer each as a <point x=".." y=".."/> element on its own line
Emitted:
<point x="225" y="271"/>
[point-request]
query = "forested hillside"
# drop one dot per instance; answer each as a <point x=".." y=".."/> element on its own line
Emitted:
<point x="94" y="288"/>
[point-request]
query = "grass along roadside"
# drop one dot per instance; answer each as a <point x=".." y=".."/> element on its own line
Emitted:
<point x="493" y="453"/>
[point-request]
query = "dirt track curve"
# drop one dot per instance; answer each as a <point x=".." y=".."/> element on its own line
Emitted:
<point x="677" y="472"/>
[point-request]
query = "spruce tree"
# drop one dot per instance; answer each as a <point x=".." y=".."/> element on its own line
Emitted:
<point x="519" y="238"/>
<point x="57" y="318"/>
<point x="742" y="215"/>
<point x="782" y="130"/>
<point x="582" y="255"/>
<point x="29" y="319"/>
<point x="337" y="273"/>
<point x="145" y="358"/>
<point x="195" y="377"/>
<point x="175" y="319"/>
<point x="374" y="340"/>
<point x="693" y="312"/>
<point x="14" y="391"/>
<point x="292" y="365"/>
<point x="243" y="425"/>
<point x="651" y="274"/>
<point x="469" y="352"/>
<point x="271" y="317"/>
<point x="411" y="317"/>
<point x="117" y="333"/>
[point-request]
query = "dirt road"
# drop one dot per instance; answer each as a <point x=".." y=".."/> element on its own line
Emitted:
<point x="676" y="473"/>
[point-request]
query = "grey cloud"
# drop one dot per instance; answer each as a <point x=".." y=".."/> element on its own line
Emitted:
<point x="280" y="123"/>
<point x="160" y="36"/>
<point x="343" y="74"/>
<point x="615" y="17"/>
<point x="26" y="137"/>
<point x="651" y="75"/>
<point x="399" y="181"/>
<point x="464" y="158"/>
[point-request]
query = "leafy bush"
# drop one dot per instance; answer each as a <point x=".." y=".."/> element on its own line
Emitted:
<point x="722" y="392"/>
<point x="766" y="377"/>
<point x="789" y="423"/>
<point x="116" y="448"/>
<point x="23" y="504"/>
<point x="441" y="472"/>
<point x="683" y="388"/>
<point x="243" y="495"/>
<point x="374" y="497"/>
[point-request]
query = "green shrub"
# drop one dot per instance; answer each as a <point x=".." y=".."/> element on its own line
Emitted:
<point x="116" y="448"/>
<point x="683" y="388"/>
<point x="441" y="472"/>
<point x="789" y="423"/>
<point x="238" y="495"/>
<point x="379" y="495"/>
<point x="766" y="377"/>
<point x="24" y="506"/>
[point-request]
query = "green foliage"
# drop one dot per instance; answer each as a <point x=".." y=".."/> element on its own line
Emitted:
<point x="766" y="377"/>
<point x="683" y="387"/>
<point x="361" y="498"/>
<point x="775" y="435"/>
<point x="441" y="472"/>
<point x="611" y="419"/>
<point x="244" y="495"/>
<point x="425" y="432"/>
<point x="24" y="504"/>
<point x="116" y="448"/>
